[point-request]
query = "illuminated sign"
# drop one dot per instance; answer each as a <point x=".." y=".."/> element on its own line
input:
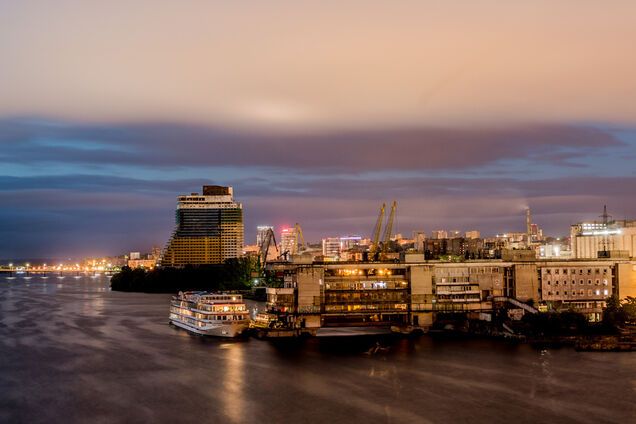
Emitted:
<point x="601" y="233"/>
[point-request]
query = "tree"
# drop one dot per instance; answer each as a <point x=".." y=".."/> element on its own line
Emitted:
<point x="629" y="308"/>
<point x="614" y="315"/>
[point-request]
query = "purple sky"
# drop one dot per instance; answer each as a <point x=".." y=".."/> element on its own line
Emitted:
<point x="315" y="114"/>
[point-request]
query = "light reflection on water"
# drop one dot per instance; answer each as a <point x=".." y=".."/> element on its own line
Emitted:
<point x="91" y="354"/>
<point x="233" y="399"/>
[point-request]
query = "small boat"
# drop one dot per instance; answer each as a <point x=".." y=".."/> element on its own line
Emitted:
<point x="209" y="314"/>
<point x="376" y="349"/>
<point x="264" y="320"/>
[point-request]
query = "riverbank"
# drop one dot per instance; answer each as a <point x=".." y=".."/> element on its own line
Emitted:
<point x="591" y="337"/>
<point x="234" y="274"/>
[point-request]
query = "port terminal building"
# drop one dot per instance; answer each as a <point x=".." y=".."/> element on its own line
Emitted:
<point x="408" y="294"/>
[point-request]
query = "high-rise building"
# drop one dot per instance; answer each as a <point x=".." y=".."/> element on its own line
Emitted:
<point x="331" y="247"/>
<point x="209" y="229"/>
<point x="261" y="232"/>
<point x="419" y="238"/>
<point x="349" y="242"/>
<point x="439" y="234"/>
<point x="288" y="241"/>
<point x="474" y="234"/>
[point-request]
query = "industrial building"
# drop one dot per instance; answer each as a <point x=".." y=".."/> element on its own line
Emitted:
<point x="595" y="239"/>
<point x="209" y="229"/>
<point x="408" y="294"/>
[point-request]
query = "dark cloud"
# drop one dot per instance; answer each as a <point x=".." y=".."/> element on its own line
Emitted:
<point x="332" y="183"/>
<point x="162" y="145"/>
<point x="75" y="213"/>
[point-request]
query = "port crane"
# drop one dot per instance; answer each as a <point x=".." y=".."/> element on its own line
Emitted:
<point x="266" y="244"/>
<point x="389" y="228"/>
<point x="375" y="239"/>
<point x="378" y="246"/>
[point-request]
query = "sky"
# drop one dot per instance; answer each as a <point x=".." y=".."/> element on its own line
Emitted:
<point x="465" y="113"/>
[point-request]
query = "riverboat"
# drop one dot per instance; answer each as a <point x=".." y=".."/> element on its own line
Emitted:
<point x="210" y="314"/>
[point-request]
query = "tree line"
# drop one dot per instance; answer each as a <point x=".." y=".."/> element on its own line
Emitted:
<point x="233" y="274"/>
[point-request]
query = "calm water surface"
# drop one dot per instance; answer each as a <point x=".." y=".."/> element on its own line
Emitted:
<point x="73" y="351"/>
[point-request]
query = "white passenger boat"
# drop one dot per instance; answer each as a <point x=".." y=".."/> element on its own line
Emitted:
<point x="210" y="314"/>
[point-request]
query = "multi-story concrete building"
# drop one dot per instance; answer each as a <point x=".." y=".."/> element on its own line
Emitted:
<point x="288" y="241"/>
<point x="209" y="229"/>
<point x="439" y="234"/>
<point x="419" y="238"/>
<point x="331" y="248"/>
<point x="474" y="234"/>
<point x="457" y="246"/>
<point x="407" y="295"/>
<point x="578" y="285"/>
<point x="553" y="250"/>
<point x="349" y="242"/>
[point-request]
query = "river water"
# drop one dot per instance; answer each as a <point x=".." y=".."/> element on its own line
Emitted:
<point x="73" y="351"/>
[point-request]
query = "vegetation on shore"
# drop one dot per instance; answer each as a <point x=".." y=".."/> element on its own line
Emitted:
<point x="616" y="315"/>
<point x="233" y="274"/>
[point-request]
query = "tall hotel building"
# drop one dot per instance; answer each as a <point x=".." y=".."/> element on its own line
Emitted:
<point x="209" y="229"/>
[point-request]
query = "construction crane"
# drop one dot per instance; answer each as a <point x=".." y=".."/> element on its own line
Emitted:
<point x="268" y="239"/>
<point x="389" y="228"/>
<point x="375" y="239"/>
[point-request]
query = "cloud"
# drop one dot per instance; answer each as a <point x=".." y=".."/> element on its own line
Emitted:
<point x="319" y="64"/>
<point x="112" y="214"/>
<point x="353" y="151"/>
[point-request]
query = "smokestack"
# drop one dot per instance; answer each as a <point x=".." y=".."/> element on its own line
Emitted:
<point x="528" y="226"/>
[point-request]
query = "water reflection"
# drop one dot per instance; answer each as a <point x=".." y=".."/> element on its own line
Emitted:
<point x="233" y="382"/>
<point x="90" y="354"/>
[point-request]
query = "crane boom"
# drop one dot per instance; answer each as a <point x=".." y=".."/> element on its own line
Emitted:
<point x="376" y="230"/>
<point x="266" y="244"/>
<point x="299" y="238"/>
<point x="389" y="227"/>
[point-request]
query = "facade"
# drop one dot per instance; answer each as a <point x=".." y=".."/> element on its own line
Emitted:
<point x="474" y="234"/>
<point x="439" y="234"/>
<point x="408" y="295"/>
<point x="513" y="240"/>
<point x="331" y="248"/>
<point x="554" y="250"/>
<point x="581" y="286"/>
<point x="209" y="229"/>
<point x="419" y="237"/>
<point x="607" y="237"/>
<point x="472" y="248"/>
<point x="142" y="263"/>
<point x="288" y="241"/>
<point x="339" y="248"/>
<point x="349" y="242"/>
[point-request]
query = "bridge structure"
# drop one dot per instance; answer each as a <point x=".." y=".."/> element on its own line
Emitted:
<point x="19" y="270"/>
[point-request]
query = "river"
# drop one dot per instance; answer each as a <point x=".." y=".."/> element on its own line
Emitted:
<point x="72" y="351"/>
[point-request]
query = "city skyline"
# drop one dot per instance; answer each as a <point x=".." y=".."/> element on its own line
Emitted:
<point x="314" y="114"/>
